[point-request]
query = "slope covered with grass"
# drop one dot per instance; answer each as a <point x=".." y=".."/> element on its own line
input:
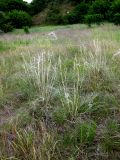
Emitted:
<point x="60" y="99"/>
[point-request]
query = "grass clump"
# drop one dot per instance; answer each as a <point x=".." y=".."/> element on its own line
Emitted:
<point x="83" y="134"/>
<point x="110" y="139"/>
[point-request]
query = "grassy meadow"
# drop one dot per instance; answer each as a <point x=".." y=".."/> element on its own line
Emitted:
<point x="60" y="99"/>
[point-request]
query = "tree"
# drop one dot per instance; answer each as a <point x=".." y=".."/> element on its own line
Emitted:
<point x="115" y="7"/>
<point x="37" y="6"/>
<point x="54" y="16"/>
<point x="3" y="5"/>
<point x="100" y="7"/>
<point x="93" y="19"/>
<point x="78" y="13"/>
<point x="9" y="5"/>
<point x="19" y="19"/>
<point x="116" y="19"/>
<point x="5" y="25"/>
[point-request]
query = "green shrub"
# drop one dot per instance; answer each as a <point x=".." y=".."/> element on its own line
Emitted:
<point x="115" y="6"/>
<point x="26" y="29"/>
<point x="100" y="7"/>
<point x="60" y="115"/>
<point x="2" y="17"/>
<point x="110" y="137"/>
<point x="93" y="18"/>
<point x="7" y="27"/>
<point x="116" y="19"/>
<point x="37" y="6"/>
<point x="19" y="18"/>
<point x="9" y="5"/>
<point x="78" y="13"/>
<point x="82" y="134"/>
<point x="85" y="133"/>
<point x="70" y="18"/>
<point x="54" y="16"/>
<point x="114" y="12"/>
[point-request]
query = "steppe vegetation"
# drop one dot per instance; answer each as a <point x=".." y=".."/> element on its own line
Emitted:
<point x="60" y="99"/>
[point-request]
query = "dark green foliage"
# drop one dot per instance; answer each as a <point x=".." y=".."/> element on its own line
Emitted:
<point x="70" y="18"/>
<point x="26" y="30"/>
<point x="111" y="140"/>
<point x="79" y="11"/>
<point x="115" y="7"/>
<point x="2" y="18"/>
<point x="60" y="115"/>
<point x="116" y="19"/>
<point x="8" y="5"/>
<point x="19" y="19"/>
<point x="77" y="15"/>
<point x="85" y="133"/>
<point x="115" y="12"/>
<point x="5" y="25"/>
<point x="85" y="11"/>
<point x="15" y="14"/>
<point x="82" y="134"/>
<point x="89" y="11"/>
<point x="100" y="7"/>
<point x="54" y="16"/>
<point x="93" y="18"/>
<point x="37" y="6"/>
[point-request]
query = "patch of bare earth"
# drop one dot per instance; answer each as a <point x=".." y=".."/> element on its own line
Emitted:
<point x="6" y="114"/>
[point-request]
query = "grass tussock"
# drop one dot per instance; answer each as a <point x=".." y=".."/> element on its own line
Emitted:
<point x="60" y="99"/>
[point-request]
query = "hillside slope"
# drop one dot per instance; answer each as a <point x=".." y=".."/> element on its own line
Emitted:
<point x="40" y="18"/>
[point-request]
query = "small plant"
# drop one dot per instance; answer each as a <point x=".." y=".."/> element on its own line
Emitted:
<point x="110" y="138"/>
<point x="82" y="134"/>
<point x="85" y="133"/>
<point x="60" y="115"/>
<point x="26" y="29"/>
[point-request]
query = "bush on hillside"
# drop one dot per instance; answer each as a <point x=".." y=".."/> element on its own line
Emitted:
<point x="116" y="19"/>
<point x="54" y="16"/>
<point x="2" y="17"/>
<point x="9" y="5"/>
<point x="26" y="29"/>
<point x="5" y="25"/>
<point x="37" y="6"/>
<point x="19" y="19"/>
<point x="100" y="7"/>
<point x="93" y="18"/>
<point x="70" y="18"/>
<point x="115" y="7"/>
<point x="78" y="13"/>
